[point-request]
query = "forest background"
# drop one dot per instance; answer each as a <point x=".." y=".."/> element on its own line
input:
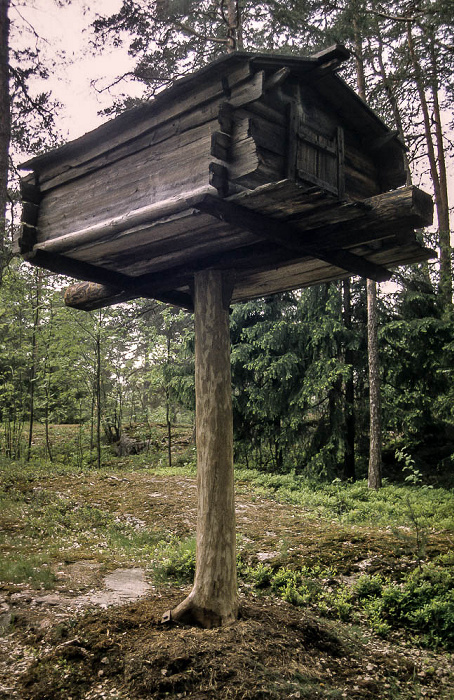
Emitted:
<point x="301" y="386"/>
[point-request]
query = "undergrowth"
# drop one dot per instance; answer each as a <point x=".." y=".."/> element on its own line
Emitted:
<point x="420" y="607"/>
<point x="40" y="526"/>
<point x="355" y="503"/>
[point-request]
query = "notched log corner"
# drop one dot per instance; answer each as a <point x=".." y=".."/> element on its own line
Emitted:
<point x="88" y="296"/>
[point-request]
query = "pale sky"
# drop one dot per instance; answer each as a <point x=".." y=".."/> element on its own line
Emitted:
<point x="65" y="31"/>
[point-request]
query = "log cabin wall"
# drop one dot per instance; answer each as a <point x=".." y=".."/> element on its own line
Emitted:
<point x="242" y="127"/>
<point x="294" y="132"/>
<point x="167" y="189"/>
<point x="171" y="157"/>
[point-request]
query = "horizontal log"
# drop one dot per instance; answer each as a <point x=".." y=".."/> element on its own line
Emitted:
<point x="276" y="79"/>
<point x="147" y="177"/>
<point x="134" y="123"/>
<point x="91" y="295"/>
<point x="307" y="272"/>
<point x="377" y="213"/>
<point x="88" y="296"/>
<point x="25" y="240"/>
<point x="116" y="224"/>
<point x="122" y="287"/>
<point x="406" y="206"/>
<point x="270" y="114"/>
<point x="30" y="192"/>
<point x="289" y="237"/>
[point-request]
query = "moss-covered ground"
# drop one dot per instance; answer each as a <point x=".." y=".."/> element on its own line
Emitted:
<point x="344" y="592"/>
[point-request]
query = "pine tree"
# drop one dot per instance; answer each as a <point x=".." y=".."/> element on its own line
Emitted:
<point x="5" y="126"/>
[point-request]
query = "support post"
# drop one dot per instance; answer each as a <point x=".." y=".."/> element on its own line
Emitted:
<point x="213" y="600"/>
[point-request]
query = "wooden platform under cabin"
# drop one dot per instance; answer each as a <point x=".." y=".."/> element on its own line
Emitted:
<point x="269" y="167"/>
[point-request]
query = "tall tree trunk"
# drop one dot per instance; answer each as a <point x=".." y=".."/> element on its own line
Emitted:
<point x="393" y="102"/>
<point x="349" y="392"/>
<point x="34" y="361"/>
<point x="213" y="600"/>
<point x="5" y="127"/>
<point x="98" y="393"/>
<point x="444" y="232"/>
<point x="437" y="165"/>
<point x="233" y="25"/>
<point x="375" y="458"/>
<point x="168" y="407"/>
<point x="375" y="426"/>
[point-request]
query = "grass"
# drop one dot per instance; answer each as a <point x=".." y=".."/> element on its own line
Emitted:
<point x="59" y="511"/>
<point x="354" y="503"/>
<point x="40" y="526"/>
<point x="33" y="570"/>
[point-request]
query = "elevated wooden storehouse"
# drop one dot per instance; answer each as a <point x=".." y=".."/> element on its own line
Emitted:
<point x="255" y="175"/>
<point x="269" y="167"/>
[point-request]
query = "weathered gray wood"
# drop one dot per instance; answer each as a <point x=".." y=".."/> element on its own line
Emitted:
<point x="201" y="115"/>
<point x="129" y="220"/>
<point x="266" y="111"/>
<point x="213" y="600"/>
<point x="142" y="183"/>
<point x="89" y="296"/>
<point x="24" y="242"/>
<point x="340" y="162"/>
<point x="219" y="178"/>
<point x="184" y="249"/>
<point x="226" y="113"/>
<point x="408" y="204"/>
<point x="268" y="135"/>
<point x="30" y="191"/>
<point x="307" y="272"/>
<point x="251" y="163"/>
<point x="276" y="79"/>
<point x="161" y="109"/>
<point x="221" y="244"/>
<point x="221" y="144"/>
<point x="288" y="236"/>
<point x="270" y="272"/>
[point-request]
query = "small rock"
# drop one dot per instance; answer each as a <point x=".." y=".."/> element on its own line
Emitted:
<point x="20" y="598"/>
<point x="264" y="556"/>
<point x="5" y="621"/>
<point x="48" y="600"/>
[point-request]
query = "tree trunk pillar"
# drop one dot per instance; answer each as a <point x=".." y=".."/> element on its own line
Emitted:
<point x="375" y="452"/>
<point x="213" y="600"/>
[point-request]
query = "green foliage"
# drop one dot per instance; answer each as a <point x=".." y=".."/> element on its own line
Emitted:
<point x="42" y="527"/>
<point x="416" y="343"/>
<point x="354" y="503"/>
<point x="32" y="570"/>
<point x="287" y="372"/>
<point x="367" y="586"/>
<point x="421" y="605"/>
<point x="174" y="561"/>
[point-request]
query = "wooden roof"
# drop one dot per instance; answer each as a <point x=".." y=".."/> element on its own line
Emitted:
<point x="279" y="236"/>
<point x="132" y="122"/>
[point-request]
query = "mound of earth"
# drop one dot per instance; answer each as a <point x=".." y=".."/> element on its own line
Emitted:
<point x="272" y="651"/>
